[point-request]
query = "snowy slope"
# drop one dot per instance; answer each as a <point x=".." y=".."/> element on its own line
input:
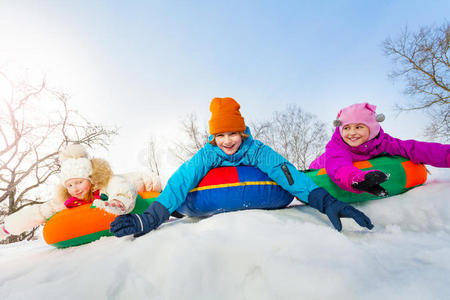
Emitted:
<point x="285" y="254"/>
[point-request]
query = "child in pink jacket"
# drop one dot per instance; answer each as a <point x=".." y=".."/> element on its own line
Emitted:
<point x="358" y="137"/>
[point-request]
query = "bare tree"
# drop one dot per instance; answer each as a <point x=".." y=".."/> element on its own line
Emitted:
<point x="259" y="128"/>
<point x="422" y="59"/>
<point x="197" y="137"/>
<point x="152" y="157"/>
<point x="299" y="136"/>
<point x="35" y="123"/>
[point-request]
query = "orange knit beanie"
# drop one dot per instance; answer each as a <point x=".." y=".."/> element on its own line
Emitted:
<point x="225" y="116"/>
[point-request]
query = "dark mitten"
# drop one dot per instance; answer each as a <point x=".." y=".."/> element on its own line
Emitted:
<point x="321" y="200"/>
<point x="140" y="224"/>
<point x="371" y="183"/>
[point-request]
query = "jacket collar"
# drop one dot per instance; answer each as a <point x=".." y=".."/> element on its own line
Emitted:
<point x="241" y="151"/>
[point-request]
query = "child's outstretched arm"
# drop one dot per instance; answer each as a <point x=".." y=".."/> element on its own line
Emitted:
<point x="30" y="217"/>
<point x="434" y="154"/>
<point x="144" y="181"/>
<point x="121" y="196"/>
<point x="301" y="186"/>
<point x="174" y="194"/>
<point x="340" y="169"/>
<point x="122" y="191"/>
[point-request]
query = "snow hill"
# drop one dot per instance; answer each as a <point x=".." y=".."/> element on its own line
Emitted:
<point x="292" y="253"/>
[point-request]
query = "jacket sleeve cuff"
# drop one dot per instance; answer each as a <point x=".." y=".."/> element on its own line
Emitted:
<point x="316" y="199"/>
<point x="343" y="178"/>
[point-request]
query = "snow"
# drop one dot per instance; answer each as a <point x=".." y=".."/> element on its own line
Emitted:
<point x="292" y="253"/>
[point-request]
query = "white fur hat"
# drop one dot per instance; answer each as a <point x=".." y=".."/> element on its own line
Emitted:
<point x="74" y="163"/>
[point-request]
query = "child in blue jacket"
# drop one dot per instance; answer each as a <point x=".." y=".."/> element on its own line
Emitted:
<point x="232" y="145"/>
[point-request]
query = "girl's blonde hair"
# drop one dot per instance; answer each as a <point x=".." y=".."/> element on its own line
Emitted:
<point x="244" y="136"/>
<point x="90" y="196"/>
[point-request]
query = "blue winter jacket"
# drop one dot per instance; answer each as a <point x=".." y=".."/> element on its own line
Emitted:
<point x="250" y="153"/>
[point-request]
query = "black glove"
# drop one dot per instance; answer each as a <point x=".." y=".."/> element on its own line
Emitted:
<point x="140" y="224"/>
<point x="321" y="200"/>
<point x="371" y="183"/>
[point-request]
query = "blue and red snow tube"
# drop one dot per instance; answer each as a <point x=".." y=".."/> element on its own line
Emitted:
<point x="234" y="188"/>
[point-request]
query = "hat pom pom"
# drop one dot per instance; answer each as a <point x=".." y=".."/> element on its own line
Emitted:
<point x="72" y="151"/>
<point x="337" y="123"/>
<point x="379" y="118"/>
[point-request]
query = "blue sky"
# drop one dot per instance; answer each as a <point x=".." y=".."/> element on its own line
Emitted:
<point x="142" y="65"/>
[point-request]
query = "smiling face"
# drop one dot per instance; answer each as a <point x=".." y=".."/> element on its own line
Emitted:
<point x="229" y="142"/>
<point x="355" y="134"/>
<point x="78" y="187"/>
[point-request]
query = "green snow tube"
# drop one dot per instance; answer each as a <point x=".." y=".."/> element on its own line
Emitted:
<point x="404" y="175"/>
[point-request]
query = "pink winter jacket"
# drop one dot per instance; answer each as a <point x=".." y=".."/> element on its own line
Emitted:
<point x="338" y="157"/>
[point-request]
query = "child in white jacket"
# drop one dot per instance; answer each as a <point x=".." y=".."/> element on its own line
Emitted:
<point x="83" y="181"/>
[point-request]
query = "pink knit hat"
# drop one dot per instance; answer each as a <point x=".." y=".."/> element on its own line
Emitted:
<point x="360" y="113"/>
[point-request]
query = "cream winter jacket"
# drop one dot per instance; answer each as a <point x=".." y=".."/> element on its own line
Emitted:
<point x="119" y="187"/>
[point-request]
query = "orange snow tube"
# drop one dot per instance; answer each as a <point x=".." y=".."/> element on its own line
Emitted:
<point x="86" y="223"/>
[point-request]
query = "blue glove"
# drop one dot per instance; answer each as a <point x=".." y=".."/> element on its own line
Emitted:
<point x="140" y="224"/>
<point x="321" y="200"/>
